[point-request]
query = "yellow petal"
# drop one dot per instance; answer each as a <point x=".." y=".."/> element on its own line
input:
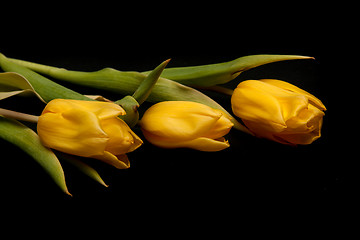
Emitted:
<point x="121" y="138"/>
<point x="261" y="130"/>
<point x="303" y="138"/>
<point x="221" y="128"/>
<point x="201" y="144"/>
<point x="73" y="131"/>
<point x="179" y="120"/>
<point x="120" y="161"/>
<point x="258" y="101"/>
<point x="306" y="120"/>
<point x="208" y="144"/>
<point x="251" y="101"/>
<point x="285" y="85"/>
<point x="305" y="128"/>
<point x="102" y="110"/>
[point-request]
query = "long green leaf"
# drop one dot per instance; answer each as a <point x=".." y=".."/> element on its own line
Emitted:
<point x="12" y="84"/>
<point x="82" y="167"/>
<point x="219" y="73"/>
<point x="26" y="139"/>
<point x="126" y="83"/>
<point x="47" y="89"/>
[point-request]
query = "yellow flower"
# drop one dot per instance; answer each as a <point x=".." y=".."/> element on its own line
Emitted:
<point x="178" y="124"/>
<point x="278" y="111"/>
<point x="88" y="129"/>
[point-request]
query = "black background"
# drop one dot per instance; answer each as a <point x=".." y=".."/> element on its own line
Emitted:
<point x="248" y="184"/>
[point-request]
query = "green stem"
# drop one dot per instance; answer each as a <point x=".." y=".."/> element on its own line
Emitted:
<point x="131" y="103"/>
<point x="18" y="116"/>
<point x="219" y="89"/>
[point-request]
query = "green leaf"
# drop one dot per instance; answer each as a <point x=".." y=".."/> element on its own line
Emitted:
<point x="12" y="84"/>
<point x="26" y="139"/>
<point x="220" y="73"/>
<point x="82" y="167"/>
<point x="47" y="89"/>
<point x="126" y="83"/>
<point x="144" y="90"/>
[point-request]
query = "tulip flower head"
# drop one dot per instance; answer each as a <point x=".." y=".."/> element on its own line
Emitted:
<point x="88" y="129"/>
<point x="278" y="111"/>
<point x="183" y="124"/>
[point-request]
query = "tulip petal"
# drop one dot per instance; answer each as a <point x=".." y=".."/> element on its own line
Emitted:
<point x="302" y="138"/>
<point x="74" y="131"/>
<point x="262" y="102"/>
<point x="305" y="128"/>
<point x="102" y="110"/>
<point x="306" y="120"/>
<point x="221" y="128"/>
<point x="290" y="87"/>
<point x="261" y="130"/>
<point x="120" y="161"/>
<point x="166" y="119"/>
<point x="207" y="144"/>
<point x="186" y="124"/>
<point x="252" y="102"/>
<point x="121" y="138"/>
<point x="201" y="144"/>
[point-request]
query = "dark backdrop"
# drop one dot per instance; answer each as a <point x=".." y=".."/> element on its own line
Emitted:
<point x="254" y="179"/>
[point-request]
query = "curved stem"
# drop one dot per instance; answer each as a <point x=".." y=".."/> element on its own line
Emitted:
<point x="18" y="116"/>
<point x="219" y="89"/>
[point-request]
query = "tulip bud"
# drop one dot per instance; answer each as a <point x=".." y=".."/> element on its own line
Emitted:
<point x="178" y="124"/>
<point x="278" y="111"/>
<point x="88" y="129"/>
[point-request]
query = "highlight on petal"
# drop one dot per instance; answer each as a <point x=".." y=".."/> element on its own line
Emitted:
<point x="201" y="143"/>
<point x="73" y="131"/>
<point x="179" y="124"/>
<point x="220" y="129"/>
<point x="102" y="110"/>
<point x="293" y="88"/>
<point x="302" y="138"/>
<point x="208" y="144"/>
<point x="251" y="101"/>
<point x="88" y="129"/>
<point x="120" y="161"/>
<point x="180" y="120"/>
<point x="279" y="111"/>
<point x="121" y="138"/>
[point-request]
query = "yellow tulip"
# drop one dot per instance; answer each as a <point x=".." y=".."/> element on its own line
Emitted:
<point x="279" y="111"/>
<point x="183" y="124"/>
<point x="88" y="129"/>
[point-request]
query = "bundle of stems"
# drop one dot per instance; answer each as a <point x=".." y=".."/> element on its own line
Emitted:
<point x="176" y="84"/>
<point x="172" y="89"/>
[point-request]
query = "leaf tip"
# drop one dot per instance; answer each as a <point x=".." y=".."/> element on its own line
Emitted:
<point x="103" y="183"/>
<point x="68" y="193"/>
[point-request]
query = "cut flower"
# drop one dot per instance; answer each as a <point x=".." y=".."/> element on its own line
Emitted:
<point x="279" y="111"/>
<point x="182" y="124"/>
<point x="88" y="129"/>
